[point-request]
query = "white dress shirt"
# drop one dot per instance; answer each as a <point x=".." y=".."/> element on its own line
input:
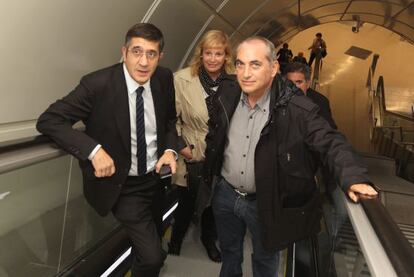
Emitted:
<point x="150" y="123"/>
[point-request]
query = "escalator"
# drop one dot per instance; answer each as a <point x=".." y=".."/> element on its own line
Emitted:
<point x="48" y="229"/>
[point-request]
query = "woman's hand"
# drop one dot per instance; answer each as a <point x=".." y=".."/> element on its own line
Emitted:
<point x="187" y="153"/>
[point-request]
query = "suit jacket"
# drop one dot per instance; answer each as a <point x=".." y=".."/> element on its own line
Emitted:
<point x="101" y="102"/>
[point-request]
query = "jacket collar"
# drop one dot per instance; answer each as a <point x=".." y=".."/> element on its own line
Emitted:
<point x="282" y="91"/>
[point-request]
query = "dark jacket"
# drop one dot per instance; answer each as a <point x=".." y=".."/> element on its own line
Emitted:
<point x="292" y="143"/>
<point x="300" y="60"/>
<point x="101" y="102"/>
<point x="323" y="104"/>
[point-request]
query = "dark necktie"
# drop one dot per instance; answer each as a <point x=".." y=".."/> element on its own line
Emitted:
<point x="141" y="143"/>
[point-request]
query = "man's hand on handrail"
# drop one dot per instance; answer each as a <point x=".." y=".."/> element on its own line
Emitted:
<point x="365" y="191"/>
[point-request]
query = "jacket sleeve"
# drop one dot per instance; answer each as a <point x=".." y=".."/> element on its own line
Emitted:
<point x="334" y="151"/>
<point x="171" y="130"/>
<point x="209" y="154"/>
<point x="324" y="107"/>
<point x="328" y="115"/>
<point x="178" y="84"/>
<point x="56" y="122"/>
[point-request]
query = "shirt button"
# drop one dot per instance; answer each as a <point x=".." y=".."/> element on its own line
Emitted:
<point x="251" y="117"/>
<point x="247" y="136"/>
<point x="242" y="172"/>
<point x="244" y="155"/>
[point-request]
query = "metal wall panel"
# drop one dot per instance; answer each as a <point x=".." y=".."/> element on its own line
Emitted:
<point x="267" y="12"/>
<point x="281" y="23"/>
<point x="404" y="30"/>
<point x="216" y="24"/>
<point x="385" y="8"/>
<point x="278" y="41"/>
<point x="371" y="18"/>
<point x="407" y="16"/>
<point x="214" y="3"/>
<point x="235" y="39"/>
<point x="180" y="21"/>
<point x="307" y="5"/>
<point x="236" y="11"/>
<point x="327" y="9"/>
<point x="48" y="45"/>
<point x="329" y="18"/>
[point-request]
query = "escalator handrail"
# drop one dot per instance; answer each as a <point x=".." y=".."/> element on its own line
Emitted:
<point x="20" y="155"/>
<point x="375" y="255"/>
<point x="395" y="244"/>
<point x="381" y="91"/>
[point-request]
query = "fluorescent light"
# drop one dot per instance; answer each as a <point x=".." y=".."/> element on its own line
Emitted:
<point x="117" y="263"/>
<point x="128" y="252"/>
<point x="167" y="214"/>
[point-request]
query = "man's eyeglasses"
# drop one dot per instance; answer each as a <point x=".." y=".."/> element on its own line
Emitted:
<point x="138" y="52"/>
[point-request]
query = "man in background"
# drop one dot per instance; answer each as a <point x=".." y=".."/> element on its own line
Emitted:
<point x="300" y="75"/>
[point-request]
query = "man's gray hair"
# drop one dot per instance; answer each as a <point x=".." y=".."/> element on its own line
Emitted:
<point x="271" y="51"/>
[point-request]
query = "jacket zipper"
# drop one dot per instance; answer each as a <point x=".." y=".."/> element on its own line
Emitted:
<point x="225" y="112"/>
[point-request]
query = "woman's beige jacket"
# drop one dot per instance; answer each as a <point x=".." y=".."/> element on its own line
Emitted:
<point x="192" y="117"/>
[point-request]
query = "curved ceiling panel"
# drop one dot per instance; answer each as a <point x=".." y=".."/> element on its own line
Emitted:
<point x="216" y="23"/>
<point x="180" y="26"/>
<point x="386" y="8"/>
<point x="406" y="15"/>
<point x="377" y="19"/>
<point x="333" y="8"/>
<point x="404" y="30"/>
<point x="264" y="13"/>
<point x="277" y="19"/>
<point x="236" y="11"/>
<point x="329" y="18"/>
<point x="308" y="5"/>
<point x="215" y="3"/>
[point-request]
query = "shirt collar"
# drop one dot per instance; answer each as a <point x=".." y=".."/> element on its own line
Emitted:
<point x="261" y="104"/>
<point x="132" y="85"/>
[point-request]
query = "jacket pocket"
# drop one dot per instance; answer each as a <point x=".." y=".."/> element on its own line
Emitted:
<point x="301" y="222"/>
<point x="296" y="179"/>
<point x="293" y="161"/>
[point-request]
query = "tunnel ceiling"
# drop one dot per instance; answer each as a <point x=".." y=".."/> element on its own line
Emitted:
<point x="279" y="20"/>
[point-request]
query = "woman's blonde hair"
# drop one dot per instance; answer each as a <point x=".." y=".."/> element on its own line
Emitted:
<point x="211" y="39"/>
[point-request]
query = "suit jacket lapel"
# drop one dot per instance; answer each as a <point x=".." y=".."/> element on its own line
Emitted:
<point x="121" y="107"/>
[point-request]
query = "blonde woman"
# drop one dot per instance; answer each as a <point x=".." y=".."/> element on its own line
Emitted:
<point x="195" y="88"/>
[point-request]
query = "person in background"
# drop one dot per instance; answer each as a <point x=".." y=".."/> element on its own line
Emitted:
<point x="284" y="56"/>
<point x="300" y="75"/>
<point x="195" y="87"/>
<point x="300" y="58"/>
<point x="129" y="115"/>
<point x="263" y="147"/>
<point x="318" y="48"/>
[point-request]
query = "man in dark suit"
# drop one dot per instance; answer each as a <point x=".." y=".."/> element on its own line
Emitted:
<point x="129" y="113"/>
<point x="300" y="74"/>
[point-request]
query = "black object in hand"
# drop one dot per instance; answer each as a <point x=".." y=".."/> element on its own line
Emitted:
<point x="165" y="171"/>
